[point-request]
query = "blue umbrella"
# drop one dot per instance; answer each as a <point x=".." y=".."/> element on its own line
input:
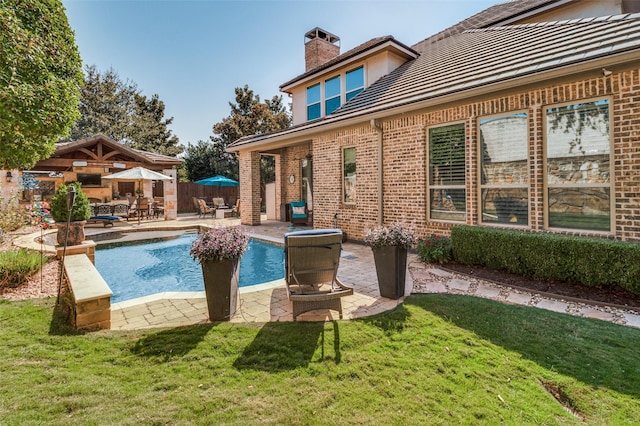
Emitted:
<point x="218" y="181"/>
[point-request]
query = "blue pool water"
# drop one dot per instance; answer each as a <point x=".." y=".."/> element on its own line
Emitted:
<point x="142" y="269"/>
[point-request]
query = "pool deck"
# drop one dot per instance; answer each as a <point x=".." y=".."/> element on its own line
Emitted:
<point x="260" y="303"/>
<point x="268" y="302"/>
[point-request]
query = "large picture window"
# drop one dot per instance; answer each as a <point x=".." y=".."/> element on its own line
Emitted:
<point x="331" y="95"/>
<point x="349" y="175"/>
<point x="447" y="197"/>
<point x="354" y="82"/>
<point x="313" y="102"/>
<point x="578" y="166"/>
<point x="504" y="175"/>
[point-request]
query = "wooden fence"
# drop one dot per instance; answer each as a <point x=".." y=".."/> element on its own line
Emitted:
<point x="188" y="190"/>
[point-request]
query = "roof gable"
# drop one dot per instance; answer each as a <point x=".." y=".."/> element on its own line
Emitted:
<point x="114" y="151"/>
<point x="366" y="47"/>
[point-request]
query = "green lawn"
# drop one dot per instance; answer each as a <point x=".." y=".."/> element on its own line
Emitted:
<point x="436" y="359"/>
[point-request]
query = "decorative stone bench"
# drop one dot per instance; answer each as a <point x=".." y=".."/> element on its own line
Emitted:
<point x="90" y="295"/>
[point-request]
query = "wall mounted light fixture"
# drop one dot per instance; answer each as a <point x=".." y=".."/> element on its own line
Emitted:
<point x="9" y="177"/>
<point x="606" y="72"/>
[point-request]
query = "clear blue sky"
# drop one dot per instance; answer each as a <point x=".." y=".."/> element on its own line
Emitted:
<point x="193" y="54"/>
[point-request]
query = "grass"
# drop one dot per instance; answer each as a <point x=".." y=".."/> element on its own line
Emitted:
<point x="436" y="359"/>
<point x="16" y="266"/>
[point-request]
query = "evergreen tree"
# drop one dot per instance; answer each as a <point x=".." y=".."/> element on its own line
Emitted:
<point x="248" y="117"/>
<point x="117" y="109"/>
<point x="40" y="80"/>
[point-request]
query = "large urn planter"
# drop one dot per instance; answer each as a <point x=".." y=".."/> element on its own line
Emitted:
<point x="391" y="267"/>
<point x="76" y="232"/>
<point x="219" y="251"/>
<point x="389" y="245"/>
<point x="221" y="287"/>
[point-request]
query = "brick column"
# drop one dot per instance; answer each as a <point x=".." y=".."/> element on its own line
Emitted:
<point x="250" y="188"/>
<point x="170" y="195"/>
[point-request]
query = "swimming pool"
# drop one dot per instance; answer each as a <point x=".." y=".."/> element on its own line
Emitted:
<point x="138" y="270"/>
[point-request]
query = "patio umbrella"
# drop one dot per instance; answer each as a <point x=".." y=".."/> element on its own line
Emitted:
<point x="139" y="174"/>
<point x="218" y="181"/>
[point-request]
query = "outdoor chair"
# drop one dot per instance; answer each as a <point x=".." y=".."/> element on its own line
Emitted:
<point x="121" y="209"/>
<point x="235" y="210"/>
<point x="311" y="267"/>
<point x="218" y="202"/>
<point x="298" y="212"/>
<point x="105" y="220"/>
<point x="204" y="210"/>
<point x="196" y="205"/>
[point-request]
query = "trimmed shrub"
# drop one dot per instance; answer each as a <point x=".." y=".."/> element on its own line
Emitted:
<point x="582" y="260"/>
<point x="16" y="266"/>
<point x="434" y="249"/>
<point x="81" y="208"/>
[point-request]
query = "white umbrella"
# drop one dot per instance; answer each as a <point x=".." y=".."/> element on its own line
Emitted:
<point x="139" y="174"/>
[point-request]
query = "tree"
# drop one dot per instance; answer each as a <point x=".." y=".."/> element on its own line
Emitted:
<point x="117" y="109"/>
<point x="106" y="106"/>
<point x="150" y="130"/>
<point x="197" y="161"/>
<point x="40" y="80"/>
<point x="248" y="117"/>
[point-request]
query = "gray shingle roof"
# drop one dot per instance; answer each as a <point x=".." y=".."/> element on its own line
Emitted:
<point x="489" y="17"/>
<point x="482" y="57"/>
<point x="485" y="56"/>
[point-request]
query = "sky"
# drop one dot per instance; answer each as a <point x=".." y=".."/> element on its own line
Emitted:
<point x="194" y="53"/>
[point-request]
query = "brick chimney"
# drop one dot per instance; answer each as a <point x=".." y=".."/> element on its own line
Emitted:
<point x="320" y="46"/>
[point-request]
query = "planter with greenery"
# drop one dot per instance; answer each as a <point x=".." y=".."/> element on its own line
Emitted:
<point x="389" y="246"/>
<point x="219" y="250"/>
<point x="76" y="219"/>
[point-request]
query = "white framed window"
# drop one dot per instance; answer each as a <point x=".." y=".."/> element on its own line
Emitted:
<point x="447" y="193"/>
<point x="349" y="175"/>
<point x="313" y="102"/>
<point x="578" y="176"/>
<point x="504" y="169"/>
<point x="354" y="82"/>
<point x="331" y="95"/>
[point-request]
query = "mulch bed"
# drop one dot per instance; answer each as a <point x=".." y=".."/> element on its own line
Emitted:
<point x="598" y="294"/>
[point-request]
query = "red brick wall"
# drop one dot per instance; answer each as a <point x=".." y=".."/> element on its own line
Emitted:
<point x="405" y="169"/>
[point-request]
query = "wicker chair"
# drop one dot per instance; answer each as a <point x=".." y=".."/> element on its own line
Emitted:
<point x="311" y="267"/>
<point x="204" y="210"/>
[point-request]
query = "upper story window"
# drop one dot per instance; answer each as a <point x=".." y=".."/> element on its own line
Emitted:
<point x="313" y="102"/>
<point x="331" y="94"/>
<point x="355" y="82"/>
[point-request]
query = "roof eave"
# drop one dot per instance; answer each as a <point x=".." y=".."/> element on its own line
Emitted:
<point x="403" y="106"/>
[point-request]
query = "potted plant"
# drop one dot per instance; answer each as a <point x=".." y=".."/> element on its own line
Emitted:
<point x="218" y="250"/>
<point x="389" y="246"/>
<point x="76" y="218"/>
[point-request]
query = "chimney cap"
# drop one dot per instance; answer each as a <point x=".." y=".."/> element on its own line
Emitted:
<point x="318" y="32"/>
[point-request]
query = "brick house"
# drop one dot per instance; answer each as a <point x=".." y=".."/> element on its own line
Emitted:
<point x="523" y="116"/>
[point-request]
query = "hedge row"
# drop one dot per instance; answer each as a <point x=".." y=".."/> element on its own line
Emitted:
<point x="581" y="260"/>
